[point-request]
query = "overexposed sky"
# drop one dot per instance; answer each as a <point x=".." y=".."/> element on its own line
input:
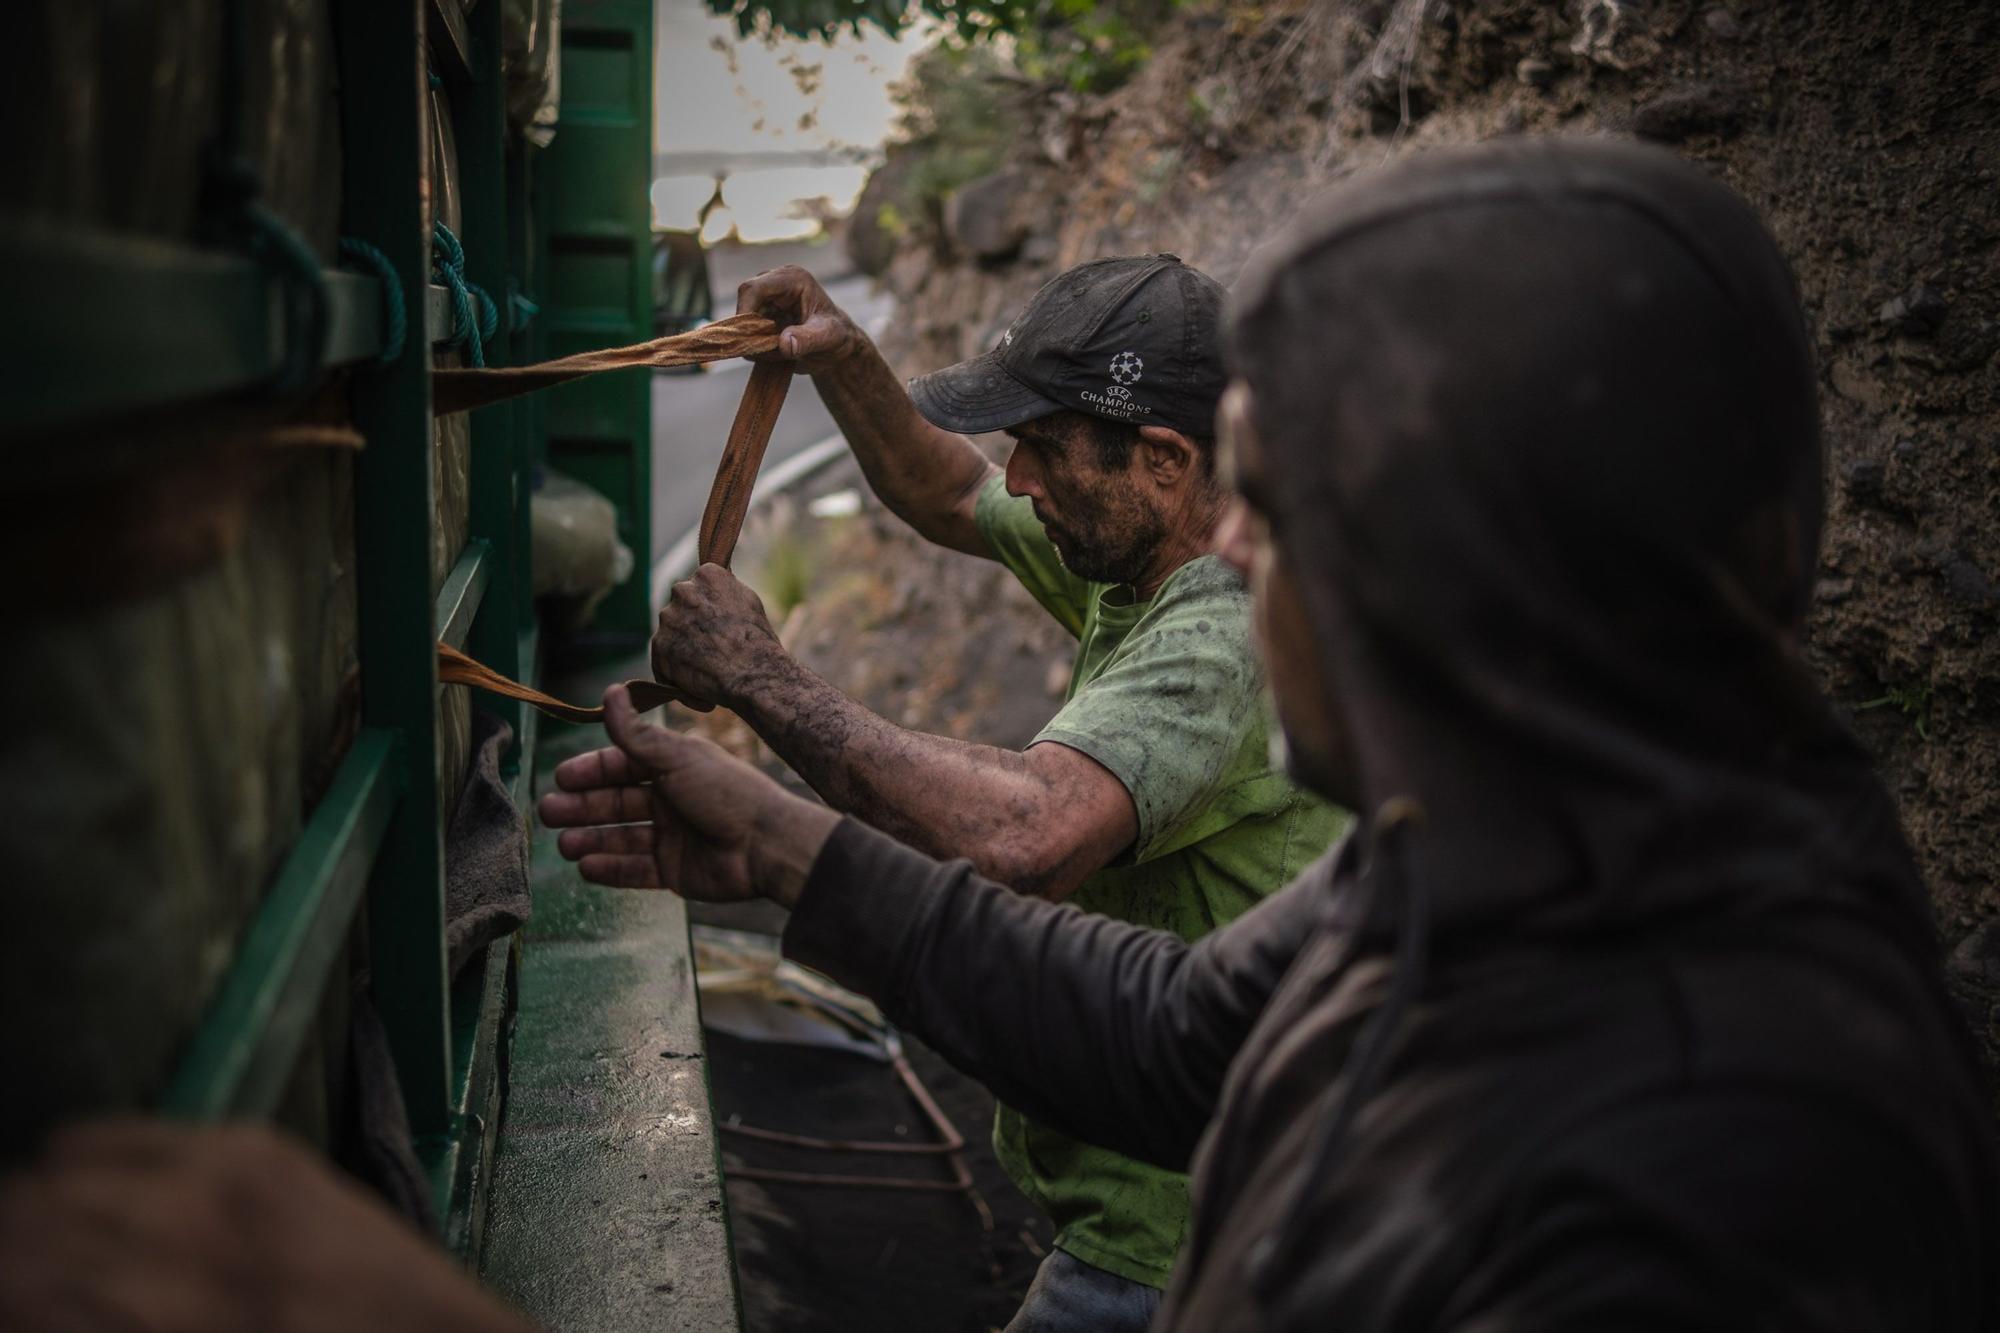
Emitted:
<point x="788" y="96"/>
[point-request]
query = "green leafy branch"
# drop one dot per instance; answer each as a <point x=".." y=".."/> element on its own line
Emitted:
<point x="1088" y="45"/>
<point x="828" y="19"/>
<point x="1912" y="701"/>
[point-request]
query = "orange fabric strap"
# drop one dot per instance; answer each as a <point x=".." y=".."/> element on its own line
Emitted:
<point x="455" y="668"/>
<point x="728" y="498"/>
<point x="724" y="340"/>
<point x="736" y="475"/>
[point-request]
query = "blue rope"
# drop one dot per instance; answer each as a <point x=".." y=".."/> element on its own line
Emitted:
<point x="395" y="315"/>
<point x="524" y="309"/>
<point x="277" y="246"/>
<point x="234" y="216"/>
<point x="489" y="313"/>
<point x="448" y="258"/>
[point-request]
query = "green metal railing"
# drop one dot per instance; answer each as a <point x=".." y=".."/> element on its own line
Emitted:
<point x="178" y="324"/>
<point x="184" y="325"/>
<point x="444" y="1040"/>
<point x="384" y="65"/>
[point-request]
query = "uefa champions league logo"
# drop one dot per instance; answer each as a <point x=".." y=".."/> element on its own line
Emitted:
<point x="1116" y="402"/>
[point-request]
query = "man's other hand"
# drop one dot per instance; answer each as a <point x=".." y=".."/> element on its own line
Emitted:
<point x="712" y="634"/>
<point x="657" y="809"/>
<point x="815" y="334"/>
<point x="142" y="1225"/>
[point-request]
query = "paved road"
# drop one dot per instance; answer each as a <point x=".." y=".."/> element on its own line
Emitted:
<point x="692" y="413"/>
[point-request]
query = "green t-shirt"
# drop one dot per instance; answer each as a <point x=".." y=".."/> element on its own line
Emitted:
<point x="1168" y="694"/>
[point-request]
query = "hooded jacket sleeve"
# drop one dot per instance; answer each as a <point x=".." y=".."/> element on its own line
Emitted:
<point x="1113" y="1033"/>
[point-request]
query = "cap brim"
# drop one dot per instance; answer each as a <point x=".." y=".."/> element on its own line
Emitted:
<point x="977" y="396"/>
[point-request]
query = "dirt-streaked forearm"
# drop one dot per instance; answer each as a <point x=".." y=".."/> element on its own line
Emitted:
<point x="925" y="475"/>
<point x="942" y="796"/>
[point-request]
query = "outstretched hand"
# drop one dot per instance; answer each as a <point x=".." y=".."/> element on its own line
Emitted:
<point x="815" y="334"/>
<point x="660" y="810"/>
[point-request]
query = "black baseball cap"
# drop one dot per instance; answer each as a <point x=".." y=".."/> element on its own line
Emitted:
<point x="1135" y="339"/>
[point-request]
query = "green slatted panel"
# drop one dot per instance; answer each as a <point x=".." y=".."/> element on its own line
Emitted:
<point x="592" y="186"/>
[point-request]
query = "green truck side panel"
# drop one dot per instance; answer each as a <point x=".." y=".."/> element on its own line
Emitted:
<point x="594" y="206"/>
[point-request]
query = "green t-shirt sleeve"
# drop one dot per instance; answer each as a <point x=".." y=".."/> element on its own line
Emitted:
<point x="1177" y="714"/>
<point x="1015" y="537"/>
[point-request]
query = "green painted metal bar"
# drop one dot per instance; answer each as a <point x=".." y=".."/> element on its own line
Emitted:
<point x="384" y="107"/>
<point x="354" y="316"/>
<point x="462" y="1167"/>
<point x="527" y="349"/>
<point x="604" y="330"/>
<point x="178" y="323"/>
<point x="439" y="318"/>
<point x="244" y="1051"/>
<point x="523" y="779"/>
<point x="527" y="412"/>
<point x="463" y="594"/>
<point x="499" y="487"/>
<point x="460" y="1159"/>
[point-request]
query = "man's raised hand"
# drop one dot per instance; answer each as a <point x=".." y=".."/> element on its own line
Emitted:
<point x="661" y="810"/>
<point x="815" y="333"/>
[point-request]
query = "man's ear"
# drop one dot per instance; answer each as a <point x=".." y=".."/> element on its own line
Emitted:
<point x="1169" y="457"/>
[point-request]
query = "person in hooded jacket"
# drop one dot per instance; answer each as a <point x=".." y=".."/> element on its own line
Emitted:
<point x="1621" y="1009"/>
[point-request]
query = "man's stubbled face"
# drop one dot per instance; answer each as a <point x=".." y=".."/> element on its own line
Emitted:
<point x="1098" y="520"/>
<point x="1302" y="687"/>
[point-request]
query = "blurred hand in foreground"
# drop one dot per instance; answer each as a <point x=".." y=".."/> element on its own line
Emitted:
<point x="659" y="810"/>
<point x="142" y="1225"/>
<point x="814" y="333"/>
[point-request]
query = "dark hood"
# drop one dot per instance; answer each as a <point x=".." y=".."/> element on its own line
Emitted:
<point x="1559" y="530"/>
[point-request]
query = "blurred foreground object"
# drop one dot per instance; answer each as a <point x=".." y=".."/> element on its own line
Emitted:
<point x="133" y="1224"/>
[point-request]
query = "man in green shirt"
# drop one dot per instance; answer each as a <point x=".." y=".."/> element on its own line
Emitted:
<point x="1151" y="796"/>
